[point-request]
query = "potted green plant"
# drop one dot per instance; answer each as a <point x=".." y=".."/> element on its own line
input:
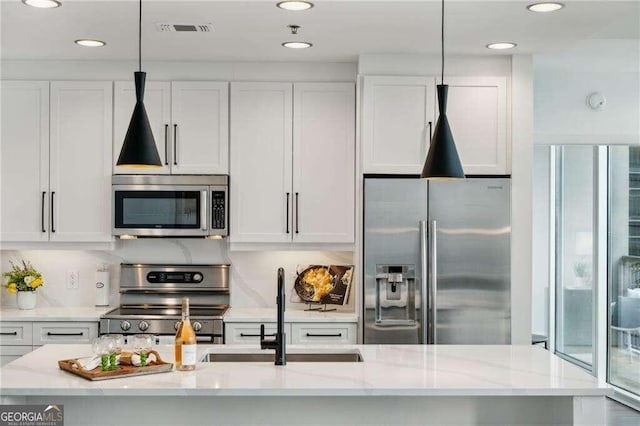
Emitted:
<point x="582" y="272"/>
<point x="23" y="280"/>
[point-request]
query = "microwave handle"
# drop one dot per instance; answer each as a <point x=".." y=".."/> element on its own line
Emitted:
<point x="203" y="211"/>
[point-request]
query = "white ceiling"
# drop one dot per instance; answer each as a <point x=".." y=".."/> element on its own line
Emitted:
<point x="340" y="30"/>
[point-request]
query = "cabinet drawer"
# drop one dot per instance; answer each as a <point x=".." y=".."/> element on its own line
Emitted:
<point x="15" y="333"/>
<point x="64" y="332"/>
<point x="302" y="333"/>
<point x="249" y="333"/>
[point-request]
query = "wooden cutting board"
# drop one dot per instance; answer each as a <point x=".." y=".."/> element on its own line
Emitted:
<point x="152" y="367"/>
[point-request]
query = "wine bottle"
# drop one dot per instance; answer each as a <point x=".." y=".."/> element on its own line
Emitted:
<point x="185" y="341"/>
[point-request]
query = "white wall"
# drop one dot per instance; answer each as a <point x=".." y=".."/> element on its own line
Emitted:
<point x="564" y="80"/>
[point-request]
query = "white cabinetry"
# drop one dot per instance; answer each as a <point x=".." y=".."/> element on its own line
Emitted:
<point x="399" y="114"/>
<point x="20" y="338"/>
<point x="190" y="124"/>
<point x="477" y="113"/>
<point x="56" y="156"/>
<point x="397" y="121"/>
<point x="25" y="161"/>
<point x="249" y="333"/>
<point x="305" y="333"/>
<point x="292" y="162"/>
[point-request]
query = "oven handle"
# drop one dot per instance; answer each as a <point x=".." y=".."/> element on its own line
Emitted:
<point x="204" y="225"/>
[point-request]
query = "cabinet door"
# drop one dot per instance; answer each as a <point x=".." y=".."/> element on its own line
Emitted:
<point x="200" y="131"/>
<point x="397" y="112"/>
<point x="157" y="102"/>
<point x="324" y="162"/>
<point x="309" y="333"/>
<point x="261" y="197"/>
<point x="25" y="161"/>
<point x="64" y="332"/>
<point x="477" y="112"/>
<point x="81" y="145"/>
<point x="249" y="332"/>
<point x="15" y="333"/>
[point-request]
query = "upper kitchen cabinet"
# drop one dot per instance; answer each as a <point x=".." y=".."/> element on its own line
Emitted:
<point x="190" y="123"/>
<point x="80" y="161"/>
<point x="323" y="162"/>
<point x="25" y="161"/>
<point x="56" y="161"/>
<point x="477" y="113"/>
<point x="397" y="121"/>
<point x="399" y="115"/>
<point x="261" y="162"/>
<point x="292" y="162"/>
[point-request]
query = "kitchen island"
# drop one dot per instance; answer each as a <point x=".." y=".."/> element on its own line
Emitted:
<point x="394" y="384"/>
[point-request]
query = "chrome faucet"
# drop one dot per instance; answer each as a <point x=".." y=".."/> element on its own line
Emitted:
<point x="279" y="342"/>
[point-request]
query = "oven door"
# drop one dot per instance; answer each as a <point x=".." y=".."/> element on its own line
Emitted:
<point x="160" y="210"/>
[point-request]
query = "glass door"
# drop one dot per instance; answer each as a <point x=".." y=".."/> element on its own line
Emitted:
<point x="575" y="321"/>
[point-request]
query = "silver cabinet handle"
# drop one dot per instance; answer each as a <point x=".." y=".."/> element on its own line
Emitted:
<point x="175" y="144"/>
<point x="424" y="307"/>
<point x="433" y="288"/>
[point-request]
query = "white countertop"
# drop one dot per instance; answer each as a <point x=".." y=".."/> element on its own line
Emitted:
<point x="400" y="370"/>
<point x="91" y="313"/>
<point x="290" y="315"/>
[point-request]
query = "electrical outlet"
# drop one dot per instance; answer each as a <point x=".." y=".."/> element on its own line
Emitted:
<point x="73" y="280"/>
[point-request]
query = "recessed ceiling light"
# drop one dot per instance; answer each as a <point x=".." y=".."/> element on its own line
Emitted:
<point x="43" y="4"/>
<point x="86" y="42"/>
<point x="295" y="5"/>
<point x="545" y="7"/>
<point x="501" y="45"/>
<point x="297" y="44"/>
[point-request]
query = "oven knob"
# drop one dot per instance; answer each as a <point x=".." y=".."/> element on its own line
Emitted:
<point x="197" y="277"/>
<point x="125" y="325"/>
<point x="143" y="326"/>
<point x="176" y="325"/>
<point x="197" y="326"/>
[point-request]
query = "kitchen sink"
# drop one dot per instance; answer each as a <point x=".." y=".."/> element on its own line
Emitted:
<point x="291" y="357"/>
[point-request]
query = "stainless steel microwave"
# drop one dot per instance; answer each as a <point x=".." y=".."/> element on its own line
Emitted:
<point x="170" y="205"/>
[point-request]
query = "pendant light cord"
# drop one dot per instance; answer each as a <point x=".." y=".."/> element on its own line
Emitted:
<point x="442" y="40"/>
<point x="140" y="37"/>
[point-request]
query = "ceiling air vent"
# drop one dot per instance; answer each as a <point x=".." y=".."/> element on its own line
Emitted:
<point x="184" y="28"/>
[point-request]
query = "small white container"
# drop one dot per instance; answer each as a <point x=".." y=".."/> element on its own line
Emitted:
<point x="103" y="289"/>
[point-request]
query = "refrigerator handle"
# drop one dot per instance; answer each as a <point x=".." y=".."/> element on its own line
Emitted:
<point x="433" y="284"/>
<point x="424" y="307"/>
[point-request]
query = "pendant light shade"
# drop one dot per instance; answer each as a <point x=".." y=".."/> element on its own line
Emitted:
<point x="442" y="161"/>
<point x="139" y="147"/>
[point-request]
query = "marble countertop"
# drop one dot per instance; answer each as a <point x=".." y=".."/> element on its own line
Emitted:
<point x="91" y="313"/>
<point x="386" y="370"/>
<point x="290" y="315"/>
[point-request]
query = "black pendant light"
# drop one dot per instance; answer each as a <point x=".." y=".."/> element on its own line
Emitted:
<point x="442" y="161"/>
<point x="139" y="148"/>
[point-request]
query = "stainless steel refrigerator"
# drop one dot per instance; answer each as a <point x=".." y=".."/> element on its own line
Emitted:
<point x="437" y="261"/>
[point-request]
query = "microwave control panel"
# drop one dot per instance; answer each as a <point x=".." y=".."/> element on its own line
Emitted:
<point x="218" y="210"/>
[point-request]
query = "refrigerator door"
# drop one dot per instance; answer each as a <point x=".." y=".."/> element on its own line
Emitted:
<point x="472" y="258"/>
<point x="394" y="260"/>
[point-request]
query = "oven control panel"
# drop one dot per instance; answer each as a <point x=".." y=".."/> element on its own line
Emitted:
<point x="156" y="277"/>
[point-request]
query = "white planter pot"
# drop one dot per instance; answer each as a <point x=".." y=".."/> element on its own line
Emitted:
<point x="26" y="299"/>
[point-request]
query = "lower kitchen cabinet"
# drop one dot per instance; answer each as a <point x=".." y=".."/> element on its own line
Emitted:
<point x="297" y="333"/>
<point x="343" y="333"/>
<point x="20" y="338"/>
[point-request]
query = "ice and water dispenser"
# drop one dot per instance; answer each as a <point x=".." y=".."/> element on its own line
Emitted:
<point x="395" y="295"/>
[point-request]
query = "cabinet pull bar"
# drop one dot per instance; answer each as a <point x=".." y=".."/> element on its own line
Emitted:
<point x="256" y="335"/>
<point x="44" y="194"/>
<point x="430" y="133"/>
<point x="53" y="229"/>
<point x="297" y="217"/>
<point x="12" y="333"/>
<point x="324" y="335"/>
<point x="166" y="144"/>
<point x="49" y="333"/>
<point x="175" y="144"/>
<point x="288" y="212"/>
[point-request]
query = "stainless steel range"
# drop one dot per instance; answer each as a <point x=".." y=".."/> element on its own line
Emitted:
<point x="150" y="297"/>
